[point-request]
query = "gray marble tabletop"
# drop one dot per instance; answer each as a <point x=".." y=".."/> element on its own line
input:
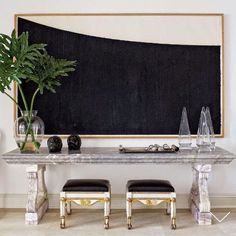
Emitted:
<point x="105" y="155"/>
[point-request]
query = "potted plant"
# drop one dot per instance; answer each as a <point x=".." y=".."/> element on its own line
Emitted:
<point x="22" y="62"/>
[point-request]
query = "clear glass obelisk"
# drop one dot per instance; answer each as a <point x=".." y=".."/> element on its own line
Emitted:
<point x="211" y="128"/>
<point x="203" y="133"/>
<point x="185" y="140"/>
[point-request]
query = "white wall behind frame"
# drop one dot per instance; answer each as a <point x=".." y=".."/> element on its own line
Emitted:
<point x="222" y="180"/>
<point x="167" y="29"/>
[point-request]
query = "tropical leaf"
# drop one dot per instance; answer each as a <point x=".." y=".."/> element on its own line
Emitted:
<point x="48" y="70"/>
<point x="20" y="60"/>
<point x="17" y="58"/>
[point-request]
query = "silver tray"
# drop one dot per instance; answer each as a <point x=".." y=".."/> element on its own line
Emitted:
<point x="151" y="149"/>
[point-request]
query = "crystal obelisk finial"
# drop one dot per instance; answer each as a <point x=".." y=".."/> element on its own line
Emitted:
<point x="185" y="140"/>
<point x="203" y="133"/>
<point x="210" y="126"/>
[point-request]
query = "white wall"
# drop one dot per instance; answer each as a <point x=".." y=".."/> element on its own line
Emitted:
<point x="222" y="181"/>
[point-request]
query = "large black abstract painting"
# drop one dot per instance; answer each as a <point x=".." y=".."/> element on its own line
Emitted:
<point x="126" y="87"/>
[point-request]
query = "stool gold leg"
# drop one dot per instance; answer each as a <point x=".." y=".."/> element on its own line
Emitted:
<point x="62" y="224"/>
<point x="106" y="213"/>
<point x="68" y="207"/>
<point x="167" y="208"/>
<point x="106" y="222"/>
<point x="173" y="223"/>
<point x="110" y="204"/>
<point x="129" y="225"/>
<point x="129" y="209"/>
<point x="173" y="213"/>
<point x="62" y="213"/>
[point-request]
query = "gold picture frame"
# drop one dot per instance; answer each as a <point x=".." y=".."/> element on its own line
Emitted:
<point x="221" y="36"/>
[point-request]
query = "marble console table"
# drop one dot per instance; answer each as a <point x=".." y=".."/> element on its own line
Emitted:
<point x="36" y="164"/>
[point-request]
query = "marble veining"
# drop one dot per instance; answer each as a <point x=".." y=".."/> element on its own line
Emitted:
<point x="112" y="156"/>
<point x="201" y="163"/>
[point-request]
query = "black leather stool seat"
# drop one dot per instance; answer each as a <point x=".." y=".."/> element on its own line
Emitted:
<point x="86" y="185"/>
<point x="149" y="185"/>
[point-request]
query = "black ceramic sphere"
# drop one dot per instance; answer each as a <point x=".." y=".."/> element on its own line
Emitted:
<point x="54" y="144"/>
<point x="74" y="142"/>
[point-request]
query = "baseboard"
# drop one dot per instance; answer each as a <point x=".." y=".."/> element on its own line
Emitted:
<point x="118" y="201"/>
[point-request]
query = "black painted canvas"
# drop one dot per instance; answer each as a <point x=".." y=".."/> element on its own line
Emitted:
<point x="126" y="88"/>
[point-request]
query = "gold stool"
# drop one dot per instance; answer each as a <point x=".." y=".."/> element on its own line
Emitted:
<point x="151" y="192"/>
<point x="85" y="192"/>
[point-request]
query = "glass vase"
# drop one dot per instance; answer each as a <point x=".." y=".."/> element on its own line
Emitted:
<point x="29" y="132"/>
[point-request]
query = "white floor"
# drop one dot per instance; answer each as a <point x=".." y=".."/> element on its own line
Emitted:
<point x="86" y="223"/>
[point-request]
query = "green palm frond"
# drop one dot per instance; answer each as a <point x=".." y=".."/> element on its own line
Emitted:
<point x="20" y="61"/>
<point x="48" y="71"/>
<point x="17" y="58"/>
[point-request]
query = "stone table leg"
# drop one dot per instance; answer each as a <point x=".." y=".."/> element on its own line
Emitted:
<point x="37" y="203"/>
<point x="199" y="199"/>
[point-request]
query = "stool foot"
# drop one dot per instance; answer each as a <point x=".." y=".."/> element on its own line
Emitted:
<point x="129" y="225"/>
<point x="173" y="223"/>
<point x="106" y="222"/>
<point x="62" y="224"/>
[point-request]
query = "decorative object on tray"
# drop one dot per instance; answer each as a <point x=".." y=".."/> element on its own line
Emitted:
<point x="211" y="128"/>
<point x="203" y="134"/>
<point x="185" y="140"/>
<point x="74" y="142"/>
<point x="21" y="62"/>
<point x="54" y="144"/>
<point x="155" y="148"/>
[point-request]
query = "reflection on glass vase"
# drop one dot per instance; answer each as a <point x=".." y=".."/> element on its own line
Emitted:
<point x="29" y="131"/>
<point x="203" y="133"/>
<point x="211" y="128"/>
